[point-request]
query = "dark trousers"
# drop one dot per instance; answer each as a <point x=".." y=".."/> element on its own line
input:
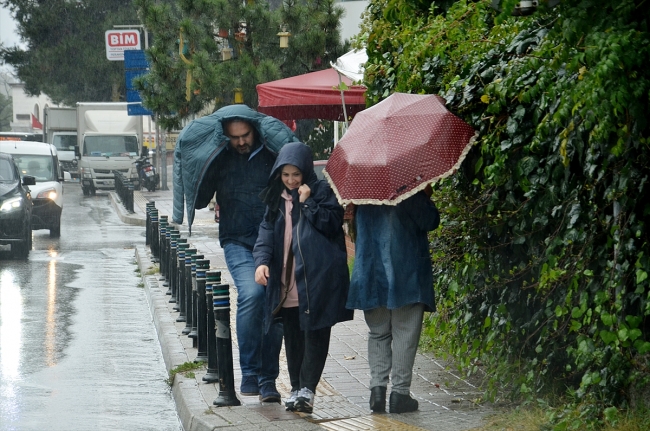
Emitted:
<point x="306" y="351"/>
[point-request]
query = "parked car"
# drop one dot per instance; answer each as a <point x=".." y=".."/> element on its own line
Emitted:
<point x="319" y="165"/>
<point x="40" y="160"/>
<point x="15" y="208"/>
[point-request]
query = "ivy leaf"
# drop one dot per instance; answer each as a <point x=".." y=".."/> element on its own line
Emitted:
<point x="641" y="276"/>
<point x="608" y="337"/>
<point x="642" y="346"/>
<point x="574" y="214"/>
<point x="633" y="334"/>
<point x="633" y="321"/>
<point x="575" y="326"/>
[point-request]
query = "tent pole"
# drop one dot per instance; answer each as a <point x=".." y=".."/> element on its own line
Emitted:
<point x="343" y="100"/>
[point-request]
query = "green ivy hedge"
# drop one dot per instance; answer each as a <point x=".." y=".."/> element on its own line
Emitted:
<point x="542" y="259"/>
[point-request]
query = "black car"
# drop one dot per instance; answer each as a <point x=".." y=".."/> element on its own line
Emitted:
<point x="15" y="208"/>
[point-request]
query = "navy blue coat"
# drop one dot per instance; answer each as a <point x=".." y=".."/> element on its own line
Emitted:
<point x="321" y="270"/>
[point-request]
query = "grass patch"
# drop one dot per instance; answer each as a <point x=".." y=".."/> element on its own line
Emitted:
<point x="536" y="418"/>
<point x="520" y="419"/>
<point x="186" y="369"/>
<point x="152" y="270"/>
<point x="141" y="285"/>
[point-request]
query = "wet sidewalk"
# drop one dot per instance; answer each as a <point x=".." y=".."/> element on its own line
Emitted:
<point x="447" y="401"/>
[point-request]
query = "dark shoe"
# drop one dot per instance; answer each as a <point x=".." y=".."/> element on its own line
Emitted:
<point x="304" y="401"/>
<point x="378" y="399"/>
<point x="249" y="386"/>
<point x="269" y="394"/>
<point x="290" y="403"/>
<point x="400" y="403"/>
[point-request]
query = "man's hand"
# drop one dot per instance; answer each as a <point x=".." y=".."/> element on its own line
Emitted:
<point x="262" y="275"/>
<point x="304" y="191"/>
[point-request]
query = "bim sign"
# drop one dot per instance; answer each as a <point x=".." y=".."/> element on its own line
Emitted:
<point x="118" y="41"/>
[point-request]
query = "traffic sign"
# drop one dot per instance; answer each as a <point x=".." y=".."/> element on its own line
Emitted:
<point x="118" y="41"/>
<point x="135" y="64"/>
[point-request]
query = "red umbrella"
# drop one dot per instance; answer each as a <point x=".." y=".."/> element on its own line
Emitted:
<point x="395" y="148"/>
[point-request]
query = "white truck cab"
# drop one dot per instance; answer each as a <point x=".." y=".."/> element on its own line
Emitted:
<point x="108" y="140"/>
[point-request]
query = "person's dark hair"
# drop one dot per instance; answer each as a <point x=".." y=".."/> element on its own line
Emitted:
<point x="226" y="123"/>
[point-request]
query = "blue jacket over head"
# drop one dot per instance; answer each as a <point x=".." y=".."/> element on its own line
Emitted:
<point x="318" y="243"/>
<point x="199" y="144"/>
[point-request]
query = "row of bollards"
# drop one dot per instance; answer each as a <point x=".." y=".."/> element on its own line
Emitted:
<point x="200" y="298"/>
<point x="124" y="188"/>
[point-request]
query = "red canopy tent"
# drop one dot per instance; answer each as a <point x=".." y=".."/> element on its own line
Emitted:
<point x="312" y="95"/>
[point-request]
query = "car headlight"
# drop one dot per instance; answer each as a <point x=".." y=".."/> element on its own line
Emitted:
<point x="11" y="204"/>
<point x="47" y="194"/>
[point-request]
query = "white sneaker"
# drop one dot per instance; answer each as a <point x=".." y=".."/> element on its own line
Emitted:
<point x="305" y="401"/>
<point x="291" y="401"/>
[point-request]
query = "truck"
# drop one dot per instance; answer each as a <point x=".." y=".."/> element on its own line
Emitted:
<point x="60" y="130"/>
<point x="108" y="140"/>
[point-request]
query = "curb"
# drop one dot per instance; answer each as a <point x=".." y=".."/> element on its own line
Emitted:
<point x="128" y="218"/>
<point x="190" y="404"/>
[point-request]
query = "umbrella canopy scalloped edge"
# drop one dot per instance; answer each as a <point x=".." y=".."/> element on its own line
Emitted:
<point x="411" y="192"/>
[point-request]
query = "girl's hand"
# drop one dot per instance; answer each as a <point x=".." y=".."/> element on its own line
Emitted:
<point x="304" y="191"/>
<point x="262" y="275"/>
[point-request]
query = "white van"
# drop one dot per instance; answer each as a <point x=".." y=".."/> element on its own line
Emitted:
<point x="40" y="160"/>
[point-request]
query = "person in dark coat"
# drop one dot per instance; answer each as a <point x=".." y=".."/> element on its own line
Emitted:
<point x="238" y="174"/>
<point x="392" y="283"/>
<point x="300" y="256"/>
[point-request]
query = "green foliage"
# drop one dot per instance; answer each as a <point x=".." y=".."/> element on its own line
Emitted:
<point x="65" y="54"/>
<point x="6" y="113"/>
<point x="542" y="260"/>
<point x="179" y="86"/>
<point x="186" y="369"/>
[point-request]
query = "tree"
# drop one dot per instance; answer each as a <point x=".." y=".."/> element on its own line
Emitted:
<point x="185" y="81"/>
<point x="6" y="113"/>
<point x="542" y="260"/>
<point x="65" y="55"/>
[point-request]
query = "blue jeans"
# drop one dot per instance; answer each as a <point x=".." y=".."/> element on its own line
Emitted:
<point x="259" y="353"/>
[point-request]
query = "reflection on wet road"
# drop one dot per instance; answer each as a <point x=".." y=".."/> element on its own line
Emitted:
<point x="78" y="350"/>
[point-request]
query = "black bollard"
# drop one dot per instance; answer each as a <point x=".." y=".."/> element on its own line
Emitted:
<point x="193" y="334"/>
<point x="180" y="280"/>
<point x="162" y="235"/>
<point x="155" y="225"/>
<point x="171" y="261"/>
<point x="187" y="289"/>
<point x="155" y="238"/>
<point x="168" y="242"/>
<point x="212" y="279"/>
<point x="147" y="235"/>
<point x="174" y="276"/>
<point x="221" y="304"/>
<point x="202" y="265"/>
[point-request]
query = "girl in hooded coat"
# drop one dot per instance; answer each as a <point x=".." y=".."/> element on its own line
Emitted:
<point x="300" y="256"/>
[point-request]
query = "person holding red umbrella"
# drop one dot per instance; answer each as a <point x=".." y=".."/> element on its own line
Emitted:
<point x="392" y="283"/>
<point x="384" y="165"/>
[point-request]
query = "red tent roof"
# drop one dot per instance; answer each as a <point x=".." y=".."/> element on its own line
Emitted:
<point x="311" y="95"/>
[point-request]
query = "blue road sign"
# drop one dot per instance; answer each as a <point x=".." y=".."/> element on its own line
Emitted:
<point x="135" y="64"/>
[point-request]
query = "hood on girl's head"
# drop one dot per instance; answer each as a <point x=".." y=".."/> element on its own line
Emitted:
<point x="298" y="155"/>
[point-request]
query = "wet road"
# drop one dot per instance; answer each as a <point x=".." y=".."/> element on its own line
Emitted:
<point x="78" y="350"/>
